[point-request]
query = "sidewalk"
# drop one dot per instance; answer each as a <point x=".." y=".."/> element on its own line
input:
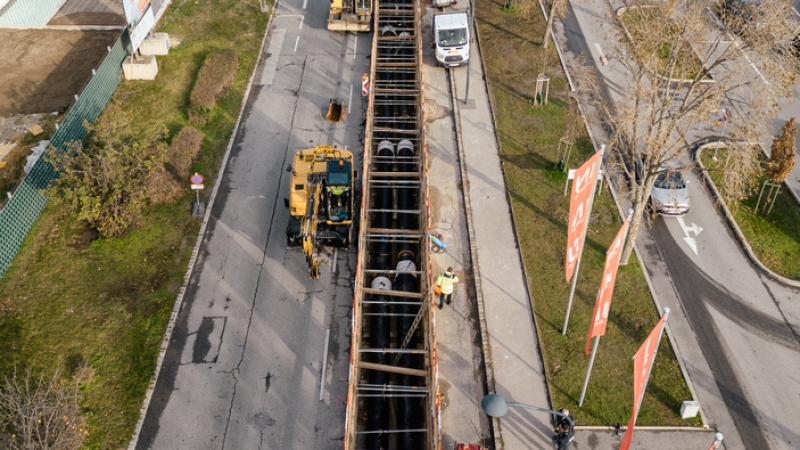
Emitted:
<point x="514" y="366"/>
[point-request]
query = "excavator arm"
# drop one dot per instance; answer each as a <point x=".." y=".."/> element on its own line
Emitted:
<point x="310" y="232"/>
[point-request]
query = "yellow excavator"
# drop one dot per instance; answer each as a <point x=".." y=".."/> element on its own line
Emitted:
<point x="321" y="202"/>
<point x="350" y="15"/>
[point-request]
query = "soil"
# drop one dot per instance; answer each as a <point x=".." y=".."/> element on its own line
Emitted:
<point x="42" y="70"/>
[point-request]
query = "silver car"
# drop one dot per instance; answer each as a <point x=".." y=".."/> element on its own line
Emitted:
<point x="670" y="196"/>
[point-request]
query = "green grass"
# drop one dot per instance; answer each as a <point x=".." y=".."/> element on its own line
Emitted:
<point x="107" y="303"/>
<point x="529" y="146"/>
<point x="774" y="237"/>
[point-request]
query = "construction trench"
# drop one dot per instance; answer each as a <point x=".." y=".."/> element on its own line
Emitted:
<point x="391" y="400"/>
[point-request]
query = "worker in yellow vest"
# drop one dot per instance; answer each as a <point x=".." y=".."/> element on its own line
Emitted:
<point x="446" y="283"/>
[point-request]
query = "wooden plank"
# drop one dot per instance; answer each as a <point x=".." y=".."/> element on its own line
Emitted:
<point x="394" y="369"/>
<point x="392" y="293"/>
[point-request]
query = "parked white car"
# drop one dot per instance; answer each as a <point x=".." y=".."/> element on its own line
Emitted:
<point x="670" y="195"/>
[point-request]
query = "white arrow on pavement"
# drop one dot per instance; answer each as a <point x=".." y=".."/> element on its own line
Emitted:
<point x="686" y="229"/>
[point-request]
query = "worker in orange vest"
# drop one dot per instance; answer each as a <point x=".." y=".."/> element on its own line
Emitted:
<point x="446" y="283"/>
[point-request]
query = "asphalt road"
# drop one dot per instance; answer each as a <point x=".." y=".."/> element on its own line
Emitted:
<point x="739" y="329"/>
<point x="244" y="369"/>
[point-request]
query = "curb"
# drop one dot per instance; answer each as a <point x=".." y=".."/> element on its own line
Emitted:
<point x="195" y="252"/>
<point x="735" y="225"/>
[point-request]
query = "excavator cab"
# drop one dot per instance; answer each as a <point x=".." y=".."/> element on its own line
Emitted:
<point x="337" y="189"/>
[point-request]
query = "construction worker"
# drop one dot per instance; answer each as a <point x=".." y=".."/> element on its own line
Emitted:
<point x="446" y="282"/>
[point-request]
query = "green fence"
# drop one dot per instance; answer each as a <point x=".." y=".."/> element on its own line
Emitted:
<point x="27" y="202"/>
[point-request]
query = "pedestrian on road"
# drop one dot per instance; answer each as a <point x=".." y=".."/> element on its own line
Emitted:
<point x="446" y="282"/>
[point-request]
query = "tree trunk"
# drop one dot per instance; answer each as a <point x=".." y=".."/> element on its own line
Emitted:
<point x="639" y="204"/>
<point x="549" y="27"/>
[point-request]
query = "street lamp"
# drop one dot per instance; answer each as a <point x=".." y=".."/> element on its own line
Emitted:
<point x="717" y="441"/>
<point x="495" y="405"/>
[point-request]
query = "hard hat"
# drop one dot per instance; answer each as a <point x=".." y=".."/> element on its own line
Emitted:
<point x="565" y="411"/>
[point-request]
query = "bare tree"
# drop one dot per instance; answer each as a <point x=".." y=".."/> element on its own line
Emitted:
<point x="682" y="68"/>
<point x="41" y="413"/>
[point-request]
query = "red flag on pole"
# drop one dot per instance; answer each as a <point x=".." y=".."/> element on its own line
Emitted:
<point x="579" y="209"/>
<point x="603" y="303"/>
<point x="642" y="364"/>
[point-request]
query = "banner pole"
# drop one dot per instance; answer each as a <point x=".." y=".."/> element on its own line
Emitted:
<point x="650" y="369"/>
<point x="589" y="370"/>
<point x="572" y="292"/>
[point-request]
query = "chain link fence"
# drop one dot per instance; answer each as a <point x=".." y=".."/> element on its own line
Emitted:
<point x="27" y="202"/>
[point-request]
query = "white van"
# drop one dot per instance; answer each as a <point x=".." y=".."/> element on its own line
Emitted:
<point x="451" y="38"/>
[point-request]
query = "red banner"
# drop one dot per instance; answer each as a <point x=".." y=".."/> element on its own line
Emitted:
<point x="603" y="303"/>
<point x="580" y="205"/>
<point x="642" y="363"/>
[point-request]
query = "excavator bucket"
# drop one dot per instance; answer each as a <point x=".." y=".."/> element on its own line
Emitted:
<point x="336" y="110"/>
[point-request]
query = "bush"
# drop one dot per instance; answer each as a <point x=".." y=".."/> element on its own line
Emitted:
<point x="214" y="78"/>
<point x="106" y="181"/>
<point x="184" y="149"/>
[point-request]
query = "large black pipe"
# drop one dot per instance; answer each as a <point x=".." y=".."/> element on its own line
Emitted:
<point x="377" y="413"/>
<point x="409" y="410"/>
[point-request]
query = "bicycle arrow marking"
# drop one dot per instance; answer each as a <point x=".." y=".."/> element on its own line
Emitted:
<point x="688" y="238"/>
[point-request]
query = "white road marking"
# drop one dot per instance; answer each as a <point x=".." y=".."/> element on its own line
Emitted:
<point x="295" y="43"/>
<point x="324" y="365"/>
<point x="301" y="21"/>
<point x="355" y="44"/>
<point x="733" y="41"/>
<point x="305" y="2"/>
<point x="350" y="96"/>
<point x="599" y="50"/>
<point x="686" y="230"/>
<point x="333" y="261"/>
<point x="274" y="51"/>
<point x="751" y="62"/>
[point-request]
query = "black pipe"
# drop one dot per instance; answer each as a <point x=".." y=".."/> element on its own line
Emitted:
<point x="377" y="416"/>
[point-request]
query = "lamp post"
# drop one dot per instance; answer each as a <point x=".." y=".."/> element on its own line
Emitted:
<point x="717" y="441"/>
<point x="471" y="40"/>
<point x="495" y="405"/>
